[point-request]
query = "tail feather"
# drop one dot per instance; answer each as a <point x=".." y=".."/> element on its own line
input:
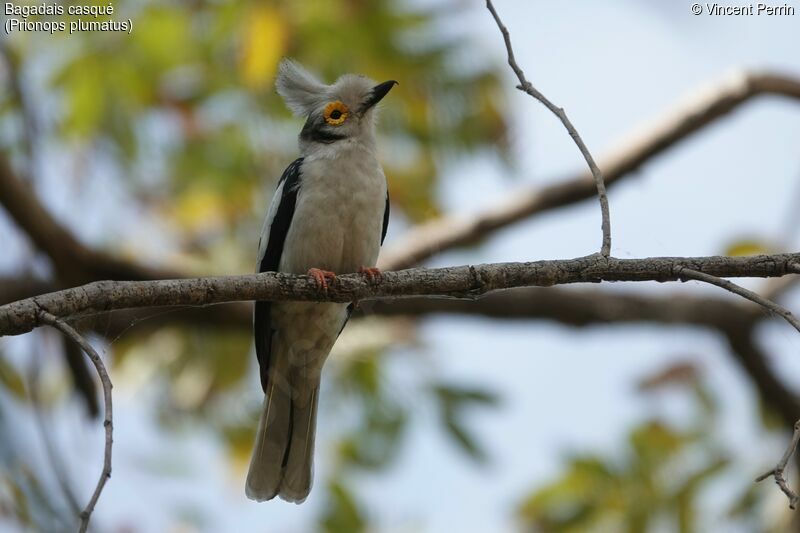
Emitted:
<point x="283" y="456"/>
<point x="272" y="439"/>
<point x="299" y="470"/>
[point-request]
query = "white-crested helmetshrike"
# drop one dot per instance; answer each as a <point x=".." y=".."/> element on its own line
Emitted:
<point x="328" y="215"/>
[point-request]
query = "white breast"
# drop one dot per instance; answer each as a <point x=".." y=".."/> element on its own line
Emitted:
<point x="338" y="215"/>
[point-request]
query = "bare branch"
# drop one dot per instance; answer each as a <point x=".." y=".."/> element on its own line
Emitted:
<point x="526" y="86"/>
<point x="568" y="307"/>
<point x="642" y="145"/>
<point x="108" y="421"/>
<point x="458" y="282"/>
<point x="777" y="472"/>
<point x="741" y="291"/>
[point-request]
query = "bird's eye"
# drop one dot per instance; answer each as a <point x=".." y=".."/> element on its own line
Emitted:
<point x="335" y="113"/>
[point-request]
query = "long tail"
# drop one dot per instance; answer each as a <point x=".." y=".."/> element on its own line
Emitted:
<point x="283" y="456"/>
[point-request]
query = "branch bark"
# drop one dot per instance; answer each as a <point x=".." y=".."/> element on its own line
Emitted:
<point x="459" y="282"/>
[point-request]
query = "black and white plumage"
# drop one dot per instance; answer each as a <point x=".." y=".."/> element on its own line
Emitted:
<point x="330" y="212"/>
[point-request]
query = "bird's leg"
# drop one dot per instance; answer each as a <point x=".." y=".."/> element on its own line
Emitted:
<point x="321" y="277"/>
<point x="373" y="273"/>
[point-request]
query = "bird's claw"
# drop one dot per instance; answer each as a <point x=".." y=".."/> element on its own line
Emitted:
<point x="321" y="277"/>
<point x="373" y="273"/>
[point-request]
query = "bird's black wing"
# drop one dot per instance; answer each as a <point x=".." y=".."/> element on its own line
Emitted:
<point x="269" y="261"/>
<point x="385" y="219"/>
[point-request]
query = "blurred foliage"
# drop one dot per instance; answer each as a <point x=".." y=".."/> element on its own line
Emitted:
<point x="657" y="481"/>
<point x="185" y="106"/>
<point x="453" y="401"/>
<point x="373" y="443"/>
<point x="749" y="246"/>
<point x="183" y="113"/>
<point x="380" y="422"/>
<point x="25" y="500"/>
<point x="10" y="378"/>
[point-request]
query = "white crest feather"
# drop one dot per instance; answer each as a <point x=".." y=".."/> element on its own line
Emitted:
<point x="301" y="91"/>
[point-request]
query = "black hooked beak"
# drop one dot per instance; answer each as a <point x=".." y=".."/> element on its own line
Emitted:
<point x="376" y="95"/>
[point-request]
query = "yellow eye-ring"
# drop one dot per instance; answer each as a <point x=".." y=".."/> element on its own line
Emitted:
<point x="335" y="113"/>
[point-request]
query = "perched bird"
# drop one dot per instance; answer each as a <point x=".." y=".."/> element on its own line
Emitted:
<point x="329" y="215"/>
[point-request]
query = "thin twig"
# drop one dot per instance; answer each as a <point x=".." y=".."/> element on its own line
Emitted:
<point x="108" y="423"/>
<point x="741" y="291"/>
<point x="777" y="472"/>
<point x="526" y="86"/>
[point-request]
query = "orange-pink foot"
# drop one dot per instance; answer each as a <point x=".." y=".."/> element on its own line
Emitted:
<point x="373" y="273"/>
<point x="321" y="277"/>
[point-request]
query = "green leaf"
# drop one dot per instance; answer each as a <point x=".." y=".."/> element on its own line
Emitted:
<point x="464" y="440"/>
<point x="453" y="400"/>
<point x="748" y="246"/>
<point x="456" y="396"/>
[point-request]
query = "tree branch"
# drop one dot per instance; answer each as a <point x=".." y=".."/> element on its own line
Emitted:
<point x="705" y="107"/>
<point x="568" y="307"/>
<point x="108" y="421"/>
<point x="777" y="472"/>
<point x="526" y="86"/>
<point x="460" y="282"/>
<point x="744" y="293"/>
<point x="781" y="311"/>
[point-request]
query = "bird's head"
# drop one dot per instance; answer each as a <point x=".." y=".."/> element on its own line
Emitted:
<point x="335" y="112"/>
